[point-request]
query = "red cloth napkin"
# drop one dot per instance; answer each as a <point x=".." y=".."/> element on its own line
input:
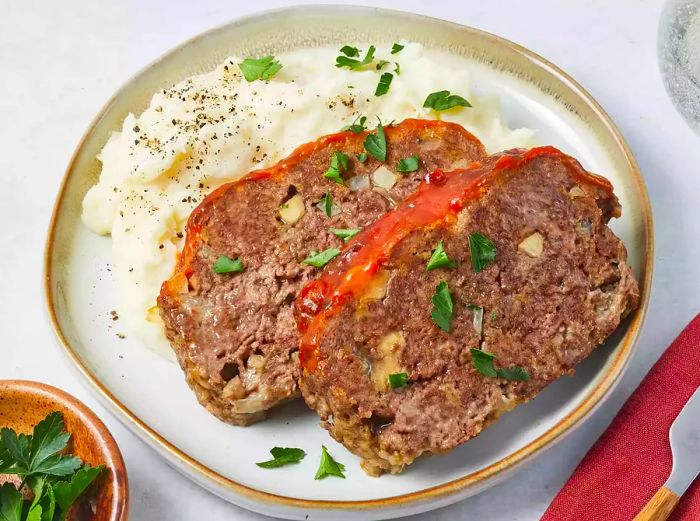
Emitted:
<point x="632" y="458"/>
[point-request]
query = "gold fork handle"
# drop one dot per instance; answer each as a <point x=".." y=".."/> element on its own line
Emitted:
<point x="659" y="507"/>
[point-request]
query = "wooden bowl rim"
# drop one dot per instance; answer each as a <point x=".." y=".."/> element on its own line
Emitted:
<point x="109" y="449"/>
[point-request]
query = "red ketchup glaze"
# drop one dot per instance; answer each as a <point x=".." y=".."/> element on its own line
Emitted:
<point x="437" y="201"/>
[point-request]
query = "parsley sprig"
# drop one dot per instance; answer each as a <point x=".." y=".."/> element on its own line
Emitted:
<point x="339" y="164"/>
<point x="384" y="83"/>
<point x="375" y="144"/>
<point x="397" y="380"/>
<point x="481" y="250"/>
<point x="443" y="100"/>
<point x="483" y="362"/>
<point x="357" y="126"/>
<point x="345" y="234"/>
<point x="56" y="480"/>
<point x="439" y="259"/>
<point x="349" y="55"/>
<point x="328" y="466"/>
<point x="442" y="307"/>
<point x="320" y="259"/>
<point x="259" y="68"/>
<point x="226" y="264"/>
<point x="282" y="456"/>
<point x="407" y="164"/>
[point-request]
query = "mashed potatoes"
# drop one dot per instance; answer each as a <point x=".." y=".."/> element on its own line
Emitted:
<point x="213" y="128"/>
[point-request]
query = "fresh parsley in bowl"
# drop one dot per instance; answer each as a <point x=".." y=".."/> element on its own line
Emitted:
<point x="57" y="459"/>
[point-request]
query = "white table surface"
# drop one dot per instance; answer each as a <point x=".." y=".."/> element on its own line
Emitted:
<point x="60" y="61"/>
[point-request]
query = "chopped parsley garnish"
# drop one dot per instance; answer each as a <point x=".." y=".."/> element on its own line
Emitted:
<point x="407" y="164"/>
<point x="361" y="157"/>
<point x="328" y="466"/>
<point x="397" y="69"/>
<point x="226" y="264"/>
<point x="345" y="234"/>
<point x="442" y="307"/>
<point x="54" y="480"/>
<point x="396" y="48"/>
<point x="443" y="100"/>
<point x="352" y="63"/>
<point x="384" y="83"/>
<point x="439" y="259"/>
<point x="381" y="64"/>
<point x="397" y="380"/>
<point x="320" y="259"/>
<point x="339" y="164"/>
<point x="326" y="204"/>
<point x="347" y="50"/>
<point x="493" y="316"/>
<point x="282" y="456"/>
<point x="357" y="126"/>
<point x="483" y="362"/>
<point x="259" y="68"/>
<point x="375" y="144"/>
<point x="481" y="250"/>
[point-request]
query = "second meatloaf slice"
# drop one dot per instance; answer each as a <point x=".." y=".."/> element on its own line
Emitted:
<point x="234" y="333"/>
<point x="469" y="298"/>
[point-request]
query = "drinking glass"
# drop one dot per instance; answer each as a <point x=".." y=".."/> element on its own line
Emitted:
<point x="679" y="56"/>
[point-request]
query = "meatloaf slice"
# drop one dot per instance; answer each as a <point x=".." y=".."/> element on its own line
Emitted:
<point x="400" y="361"/>
<point x="234" y="333"/>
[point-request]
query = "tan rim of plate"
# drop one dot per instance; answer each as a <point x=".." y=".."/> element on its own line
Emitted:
<point x="585" y="408"/>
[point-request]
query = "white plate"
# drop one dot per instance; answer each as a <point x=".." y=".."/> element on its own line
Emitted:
<point x="149" y="394"/>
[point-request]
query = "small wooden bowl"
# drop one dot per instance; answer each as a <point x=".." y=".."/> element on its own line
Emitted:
<point x="23" y="404"/>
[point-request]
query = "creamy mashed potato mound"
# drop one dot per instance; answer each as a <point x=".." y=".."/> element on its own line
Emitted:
<point x="213" y="128"/>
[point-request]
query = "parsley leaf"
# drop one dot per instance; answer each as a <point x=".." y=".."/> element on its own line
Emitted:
<point x="397" y="69"/>
<point x="345" y="234"/>
<point x="339" y="164"/>
<point x="375" y="144"/>
<point x="362" y="157"/>
<point x="328" y="466"/>
<point x="39" y="453"/>
<point x="443" y="100"/>
<point x="48" y="438"/>
<point x="259" y="68"/>
<point x="326" y="205"/>
<point x="481" y="250"/>
<point x="351" y="63"/>
<point x="515" y="373"/>
<point x="226" y="264"/>
<point x="407" y="164"/>
<point x="16" y="451"/>
<point x="10" y="503"/>
<point x="439" y="259"/>
<point x="282" y="456"/>
<point x="397" y="380"/>
<point x="442" y="307"/>
<point x="396" y="48"/>
<point x="350" y="51"/>
<point x="66" y="492"/>
<point x="381" y="64"/>
<point x="384" y="83"/>
<point x="356" y="127"/>
<point x="320" y="259"/>
<point x="483" y="362"/>
<point x="38" y="460"/>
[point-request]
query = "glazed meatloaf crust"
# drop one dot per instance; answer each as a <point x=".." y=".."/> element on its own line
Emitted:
<point x="234" y="333"/>
<point x="400" y="361"/>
